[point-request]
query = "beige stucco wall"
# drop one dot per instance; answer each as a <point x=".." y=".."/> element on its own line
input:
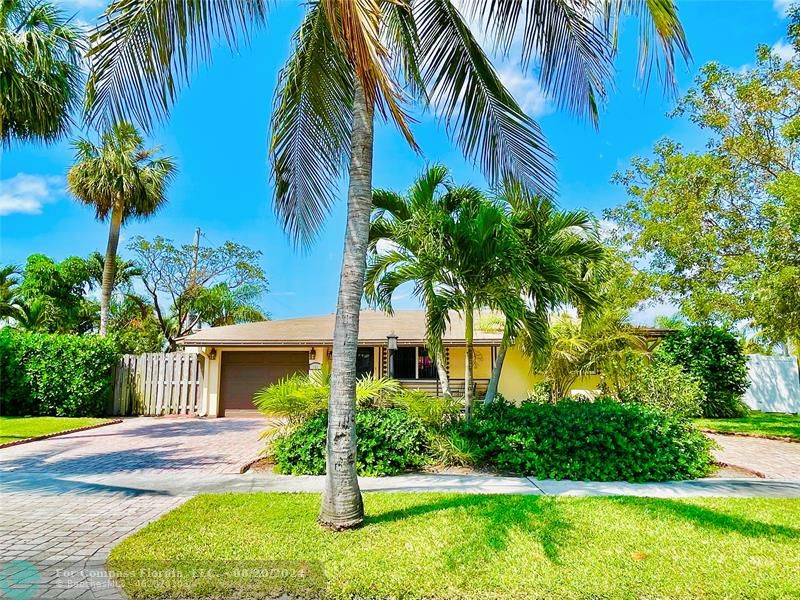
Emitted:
<point x="516" y="380"/>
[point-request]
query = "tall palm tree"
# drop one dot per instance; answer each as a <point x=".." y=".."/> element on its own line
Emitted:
<point x="392" y="224"/>
<point x="461" y="253"/>
<point x="558" y="247"/>
<point x="121" y="180"/>
<point x="125" y="272"/>
<point x="351" y="60"/>
<point x="40" y="53"/>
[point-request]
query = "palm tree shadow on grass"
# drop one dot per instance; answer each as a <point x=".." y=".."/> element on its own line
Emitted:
<point x="706" y="518"/>
<point x="500" y="517"/>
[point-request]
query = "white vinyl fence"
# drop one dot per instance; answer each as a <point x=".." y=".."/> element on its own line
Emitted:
<point x="158" y="384"/>
<point x="774" y="384"/>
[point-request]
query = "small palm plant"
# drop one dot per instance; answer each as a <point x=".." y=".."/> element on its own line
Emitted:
<point x="297" y="398"/>
<point x="121" y="180"/>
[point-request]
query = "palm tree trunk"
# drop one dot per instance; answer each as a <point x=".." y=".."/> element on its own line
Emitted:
<point x="469" y="360"/>
<point x="110" y="264"/>
<point x="444" y="382"/>
<point x="342" y="505"/>
<point x="491" y="391"/>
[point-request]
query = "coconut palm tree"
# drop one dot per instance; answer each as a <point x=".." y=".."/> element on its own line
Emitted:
<point x="121" y="180"/>
<point x="40" y="54"/>
<point x="351" y="60"/>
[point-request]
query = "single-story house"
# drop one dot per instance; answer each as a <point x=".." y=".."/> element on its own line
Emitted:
<point x="241" y="359"/>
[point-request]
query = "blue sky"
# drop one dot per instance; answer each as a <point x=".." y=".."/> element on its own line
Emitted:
<point x="217" y="133"/>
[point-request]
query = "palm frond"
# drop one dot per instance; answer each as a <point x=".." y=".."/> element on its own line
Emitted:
<point x="143" y="51"/>
<point x="478" y="111"/>
<point x="311" y="124"/>
<point x="355" y="27"/>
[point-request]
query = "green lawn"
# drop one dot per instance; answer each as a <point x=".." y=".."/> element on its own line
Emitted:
<point x="468" y="546"/>
<point x="20" y="428"/>
<point x="758" y="424"/>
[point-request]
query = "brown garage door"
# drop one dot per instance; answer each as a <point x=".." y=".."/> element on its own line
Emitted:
<point x="244" y="373"/>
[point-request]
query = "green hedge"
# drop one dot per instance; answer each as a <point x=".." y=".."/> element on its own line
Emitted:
<point x="716" y="358"/>
<point x="603" y="440"/>
<point x="55" y="375"/>
<point x="388" y="441"/>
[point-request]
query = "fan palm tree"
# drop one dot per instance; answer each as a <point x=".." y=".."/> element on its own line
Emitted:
<point x="121" y="180"/>
<point x="40" y="53"/>
<point x="557" y="249"/>
<point x="351" y="60"/>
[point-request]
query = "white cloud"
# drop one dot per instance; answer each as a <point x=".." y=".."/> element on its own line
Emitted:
<point x="25" y="194"/>
<point x="526" y="90"/>
<point x="783" y="50"/>
<point x="782" y="6"/>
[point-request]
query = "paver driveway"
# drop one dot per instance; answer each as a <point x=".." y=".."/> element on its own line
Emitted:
<point x="59" y="520"/>
<point x="772" y="458"/>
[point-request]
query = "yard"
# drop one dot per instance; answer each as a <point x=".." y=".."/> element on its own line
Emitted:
<point x="757" y="424"/>
<point x="467" y="546"/>
<point x="13" y="429"/>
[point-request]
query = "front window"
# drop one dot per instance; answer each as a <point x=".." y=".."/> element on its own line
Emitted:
<point x="411" y="362"/>
<point x="365" y="362"/>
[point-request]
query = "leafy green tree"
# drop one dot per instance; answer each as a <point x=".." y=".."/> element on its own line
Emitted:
<point x="134" y="327"/>
<point x="35" y="316"/>
<point x="200" y="284"/>
<point x="121" y="180"/>
<point x="125" y="272"/>
<point x="40" y="76"/>
<point x="349" y="62"/>
<point x="57" y="291"/>
<point x="220" y="305"/>
<point x="719" y="227"/>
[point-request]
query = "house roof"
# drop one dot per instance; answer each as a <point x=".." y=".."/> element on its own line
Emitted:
<point x="374" y="326"/>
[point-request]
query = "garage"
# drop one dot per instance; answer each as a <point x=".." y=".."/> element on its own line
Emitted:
<point x="244" y="373"/>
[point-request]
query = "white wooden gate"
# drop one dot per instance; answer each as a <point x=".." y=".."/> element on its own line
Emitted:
<point x="158" y="384"/>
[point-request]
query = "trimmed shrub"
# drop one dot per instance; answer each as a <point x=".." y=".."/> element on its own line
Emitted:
<point x="716" y="358"/>
<point x="55" y="375"/>
<point x="389" y="441"/>
<point x="603" y="440"/>
<point x="666" y="387"/>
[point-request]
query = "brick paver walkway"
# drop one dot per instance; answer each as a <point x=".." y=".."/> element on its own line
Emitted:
<point x="776" y="460"/>
<point x="56" y="530"/>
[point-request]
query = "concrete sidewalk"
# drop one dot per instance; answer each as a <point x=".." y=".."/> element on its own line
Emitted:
<point x="187" y="484"/>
